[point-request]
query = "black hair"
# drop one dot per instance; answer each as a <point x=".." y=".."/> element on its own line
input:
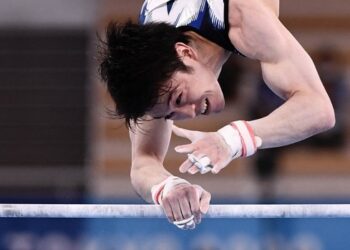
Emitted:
<point x="136" y="61"/>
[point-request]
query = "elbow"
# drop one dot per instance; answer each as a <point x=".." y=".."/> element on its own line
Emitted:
<point x="327" y="118"/>
<point x="331" y="120"/>
<point x="134" y="176"/>
<point x="136" y="182"/>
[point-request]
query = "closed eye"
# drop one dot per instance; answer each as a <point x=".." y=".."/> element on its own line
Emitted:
<point x="178" y="100"/>
<point x="169" y="116"/>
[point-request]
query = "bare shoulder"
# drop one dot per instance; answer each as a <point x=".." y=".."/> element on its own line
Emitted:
<point x="255" y="29"/>
<point x="242" y="6"/>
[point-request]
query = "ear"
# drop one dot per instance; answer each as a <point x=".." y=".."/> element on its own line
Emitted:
<point x="184" y="50"/>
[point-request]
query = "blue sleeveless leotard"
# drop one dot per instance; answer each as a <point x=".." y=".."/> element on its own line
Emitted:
<point x="208" y="18"/>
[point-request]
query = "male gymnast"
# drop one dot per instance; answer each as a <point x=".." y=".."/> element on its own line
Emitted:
<point x="166" y="68"/>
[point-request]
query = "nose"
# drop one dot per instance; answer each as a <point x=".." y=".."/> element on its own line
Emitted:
<point x="185" y="112"/>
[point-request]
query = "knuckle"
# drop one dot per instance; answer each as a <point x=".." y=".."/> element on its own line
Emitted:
<point x="179" y="190"/>
<point x="167" y="199"/>
<point x="172" y="199"/>
<point x="190" y="193"/>
<point x="190" y="189"/>
<point x="177" y="216"/>
<point x="186" y="214"/>
<point x="164" y="203"/>
<point x="196" y="211"/>
<point x="196" y="147"/>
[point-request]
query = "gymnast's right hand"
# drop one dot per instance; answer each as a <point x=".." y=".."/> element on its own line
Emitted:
<point x="183" y="202"/>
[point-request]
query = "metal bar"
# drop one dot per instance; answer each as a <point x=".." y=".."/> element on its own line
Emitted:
<point x="155" y="211"/>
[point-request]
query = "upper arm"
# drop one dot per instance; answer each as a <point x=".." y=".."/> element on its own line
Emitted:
<point x="151" y="139"/>
<point x="256" y="31"/>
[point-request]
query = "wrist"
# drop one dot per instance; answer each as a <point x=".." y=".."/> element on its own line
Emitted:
<point x="161" y="189"/>
<point x="240" y="137"/>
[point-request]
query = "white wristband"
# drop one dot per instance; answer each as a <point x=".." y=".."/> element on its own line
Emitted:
<point x="161" y="189"/>
<point x="239" y="135"/>
<point x="232" y="138"/>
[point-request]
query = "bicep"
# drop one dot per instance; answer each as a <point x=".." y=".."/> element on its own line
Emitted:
<point x="291" y="69"/>
<point x="286" y="67"/>
<point x="151" y="139"/>
<point x="255" y="29"/>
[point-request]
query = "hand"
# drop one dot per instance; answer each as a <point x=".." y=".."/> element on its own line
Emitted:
<point x="184" y="204"/>
<point x="210" y="144"/>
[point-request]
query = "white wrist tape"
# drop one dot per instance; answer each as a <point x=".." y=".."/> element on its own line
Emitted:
<point x="239" y="135"/>
<point x="161" y="189"/>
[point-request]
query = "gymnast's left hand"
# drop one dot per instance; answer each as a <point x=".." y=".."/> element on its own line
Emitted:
<point x="209" y="144"/>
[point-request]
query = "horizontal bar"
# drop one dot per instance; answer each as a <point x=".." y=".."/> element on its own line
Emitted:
<point x="155" y="211"/>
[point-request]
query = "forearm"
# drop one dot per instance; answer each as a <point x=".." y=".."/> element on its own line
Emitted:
<point x="301" y="116"/>
<point x="145" y="173"/>
<point x="150" y="142"/>
<point x="287" y="70"/>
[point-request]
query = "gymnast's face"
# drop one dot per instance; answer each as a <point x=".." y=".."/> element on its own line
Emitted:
<point x="195" y="93"/>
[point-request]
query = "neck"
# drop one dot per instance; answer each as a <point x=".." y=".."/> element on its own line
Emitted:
<point x="209" y="53"/>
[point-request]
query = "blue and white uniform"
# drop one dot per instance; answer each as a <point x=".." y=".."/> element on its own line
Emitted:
<point x="208" y="18"/>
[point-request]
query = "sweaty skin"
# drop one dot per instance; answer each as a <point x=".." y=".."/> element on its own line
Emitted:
<point x="256" y="32"/>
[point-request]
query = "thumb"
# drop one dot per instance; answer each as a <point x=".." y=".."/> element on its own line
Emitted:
<point x="191" y="135"/>
<point x="184" y="133"/>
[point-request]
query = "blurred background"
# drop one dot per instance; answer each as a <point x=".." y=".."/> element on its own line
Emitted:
<point x="58" y="144"/>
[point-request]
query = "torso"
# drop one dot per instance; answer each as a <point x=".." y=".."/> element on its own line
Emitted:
<point x="207" y="18"/>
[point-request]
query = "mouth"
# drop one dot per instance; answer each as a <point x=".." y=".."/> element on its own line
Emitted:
<point x="205" y="107"/>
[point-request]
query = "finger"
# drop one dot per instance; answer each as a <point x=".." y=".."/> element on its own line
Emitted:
<point x="203" y="164"/>
<point x="191" y="225"/>
<point x="206" y="169"/>
<point x="204" y="201"/>
<point x="172" y="208"/>
<point x="185" y="166"/>
<point x="217" y="168"/>
<point x="203" y="169"/>
<point x="175" y="207"/>
<point x="190" y="165"/>
<point x="185" y="208"/>
<point x="187" y="148"/>
<point x="167" y="210"/>
<point x="191" y="135"/>
<point x="193" y="199"/>
<point x="193" y="170"/>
